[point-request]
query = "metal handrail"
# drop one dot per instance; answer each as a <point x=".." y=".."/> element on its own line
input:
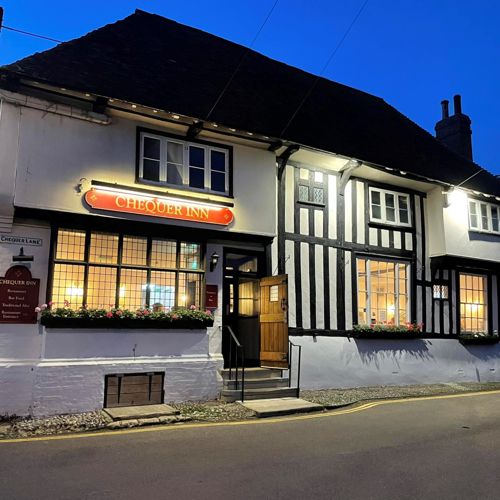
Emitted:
<point x="239" y="349"/>
<point x="291" y="345"/>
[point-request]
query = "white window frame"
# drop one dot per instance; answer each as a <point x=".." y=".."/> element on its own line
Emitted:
<point x="164" y="140"/>
<point x="398" y="263"/>
<point x="383" y="218"/>
<point x="490" y="207"/>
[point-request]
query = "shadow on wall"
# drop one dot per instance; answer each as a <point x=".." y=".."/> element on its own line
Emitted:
<point x="374" y="353"/>
<point x="484" y="352"/>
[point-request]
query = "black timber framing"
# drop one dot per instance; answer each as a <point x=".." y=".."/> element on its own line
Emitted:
<point x="282" y="161"/>
<point x="421" y="285"/>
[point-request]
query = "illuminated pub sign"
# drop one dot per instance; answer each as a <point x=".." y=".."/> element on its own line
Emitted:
<point x="157" y="206"/>
<point x="18" y="296"/>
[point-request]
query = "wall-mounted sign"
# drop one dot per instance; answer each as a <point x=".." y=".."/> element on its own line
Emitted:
<point x="20" y="240"/>
<point x="157" y="206"/>
<point x="211" y="296"/>
<point x="18" y="296"/>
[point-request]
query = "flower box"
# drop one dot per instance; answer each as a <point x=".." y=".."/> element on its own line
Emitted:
<point x="387" y="331"/>
<point x="65" y="317"/>
<point x="477" y="339"/>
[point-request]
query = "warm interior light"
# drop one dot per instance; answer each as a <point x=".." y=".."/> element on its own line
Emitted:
<point x="175" y="117"/>
<point x="122" y="291"/>
<point x="74" y="291"/>
<point x="183" y="299"/>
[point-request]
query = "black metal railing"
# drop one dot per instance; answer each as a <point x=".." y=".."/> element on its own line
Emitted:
<point x="291" y="345"/>
<point x="236" y="354"/>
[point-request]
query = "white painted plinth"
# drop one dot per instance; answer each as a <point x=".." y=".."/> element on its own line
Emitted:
<point x="68" y="374"/>
<point x="339" y="362"/>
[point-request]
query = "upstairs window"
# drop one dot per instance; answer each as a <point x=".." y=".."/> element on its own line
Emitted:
<point x="174" y="162"/>
<point x="484" y="217"/>
<point x="389" y="207"/>
<point x="311" y="187"/>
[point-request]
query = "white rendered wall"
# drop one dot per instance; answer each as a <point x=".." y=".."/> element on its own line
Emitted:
<point x="69" y="376"/>
<point x="450" y="234"/>
<point x="339" y="362"/>
<point x="55" y="152"/>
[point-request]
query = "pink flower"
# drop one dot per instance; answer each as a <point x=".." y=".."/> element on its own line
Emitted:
<point x="209" y="312"/>
<point x="146" y="312"/>
<point x="109" y="314"/>
<point x="193" y="307"/>
<point x="175" y="316"/>
<point x="38" y="309"/>
<point x="51" y="303"/>
<point x="43" y="307"/>
<point x="118" y="312"/>
<point x="66" y="303"/>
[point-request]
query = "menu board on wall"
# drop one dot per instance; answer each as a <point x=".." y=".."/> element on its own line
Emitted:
<point x="18" y="296"/>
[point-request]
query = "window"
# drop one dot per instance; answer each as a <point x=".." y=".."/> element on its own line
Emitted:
<point x="174" y="162"/>
<point x="389" y="207"/>
<point x="311" y="189"/>
<point x="440" y="292"/>
<point x="484" y="217"/>
<point x="383" y="292"/>
<point x="125" y="271"/>
<point x="473" y="303"/>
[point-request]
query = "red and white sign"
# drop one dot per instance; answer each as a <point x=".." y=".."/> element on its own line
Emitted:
<point x="157" y="206"/>
<point x="18" y="296"/>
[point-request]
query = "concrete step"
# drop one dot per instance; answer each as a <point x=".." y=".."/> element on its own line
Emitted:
<point x="283" y="406"/>
<point x="140" y="412"/>
<point x="254" y="373"/>
<point x="231" y="395"/>
<point x="257" y="383"/>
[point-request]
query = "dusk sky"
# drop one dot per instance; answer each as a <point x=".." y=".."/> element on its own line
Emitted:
<point x="412" y="53"/>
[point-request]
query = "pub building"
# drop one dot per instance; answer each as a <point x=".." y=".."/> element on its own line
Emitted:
<point x="133" y="176"/>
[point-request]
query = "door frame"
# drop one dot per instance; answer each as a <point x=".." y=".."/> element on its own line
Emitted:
<point x="262" y="268"/>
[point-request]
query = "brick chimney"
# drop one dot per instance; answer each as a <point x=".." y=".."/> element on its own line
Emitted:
<point x="455" y="131"/>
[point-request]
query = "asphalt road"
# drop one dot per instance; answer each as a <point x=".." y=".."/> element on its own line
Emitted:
<point x="435" y="449"/>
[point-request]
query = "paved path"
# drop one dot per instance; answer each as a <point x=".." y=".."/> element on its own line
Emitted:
<point x="429" y="448"/>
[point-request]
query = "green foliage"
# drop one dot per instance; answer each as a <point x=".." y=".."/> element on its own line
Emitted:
<point x="86" y="317"/>
<point x="389" y="328"/>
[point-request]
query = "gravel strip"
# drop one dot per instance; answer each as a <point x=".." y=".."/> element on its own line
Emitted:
<point x="219" y="411"/>
<point x="58" y="424"/>
<point x="213" y="411"/>
<point x="331" y="398"/>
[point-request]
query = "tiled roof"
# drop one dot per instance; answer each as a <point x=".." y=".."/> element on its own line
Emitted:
<point x="156" y="62"/>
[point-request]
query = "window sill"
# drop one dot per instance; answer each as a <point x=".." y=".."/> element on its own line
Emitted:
<point x="388" y="225"/>
<point x="311" y="203"/>
<point x="489" y="233"/>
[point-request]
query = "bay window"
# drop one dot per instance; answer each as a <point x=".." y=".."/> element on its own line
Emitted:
<point x="383" y="292"/>
<point x="175" y="162"/>
<point x="104" y="270"/>
<point x="473" y="303"/>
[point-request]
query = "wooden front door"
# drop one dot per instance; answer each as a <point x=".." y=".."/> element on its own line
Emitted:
<point x="274" y="322"/>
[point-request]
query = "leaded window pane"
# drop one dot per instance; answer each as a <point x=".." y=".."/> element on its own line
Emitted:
<point x="70" y="244"/>
<point x="103" y="248"/>
<point x="67" y="285"/>
<point x="134" y="250"/>
<point x="303" y="193"/>
<point x="319" y="195"/>
<point x="133" y="287"/>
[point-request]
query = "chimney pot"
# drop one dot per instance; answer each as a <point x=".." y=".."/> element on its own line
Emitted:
<point x="444" y="109"/>
<point x="457" y="104"/>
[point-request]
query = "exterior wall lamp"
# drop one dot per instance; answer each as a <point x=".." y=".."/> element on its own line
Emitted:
<point x="214" y="259"/>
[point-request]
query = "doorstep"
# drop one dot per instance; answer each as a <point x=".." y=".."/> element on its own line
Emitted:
<point x="280" y="406"/>
<point x="137" y="412"/>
